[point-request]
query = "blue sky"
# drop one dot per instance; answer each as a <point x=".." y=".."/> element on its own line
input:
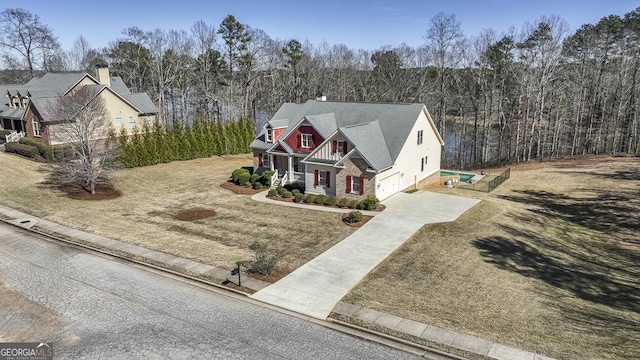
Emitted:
<point x="358" y="24"/>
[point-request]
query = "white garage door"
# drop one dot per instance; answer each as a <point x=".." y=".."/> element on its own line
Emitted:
<point x="388" y="186"/>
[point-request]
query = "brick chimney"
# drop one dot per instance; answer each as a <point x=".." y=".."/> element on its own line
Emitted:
<point x="102" y="73"/>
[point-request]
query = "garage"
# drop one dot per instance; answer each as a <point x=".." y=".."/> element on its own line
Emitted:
<point x="388" y="186"/>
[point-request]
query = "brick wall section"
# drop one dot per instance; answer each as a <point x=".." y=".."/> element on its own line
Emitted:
<point x="44" y="130"/>
<point x="354" y="167"/>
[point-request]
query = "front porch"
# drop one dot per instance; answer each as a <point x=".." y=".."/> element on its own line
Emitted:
<point x="287" y="169"/>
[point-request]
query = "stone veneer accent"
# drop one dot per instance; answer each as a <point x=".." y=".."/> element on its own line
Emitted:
<point x="354" y="167"/>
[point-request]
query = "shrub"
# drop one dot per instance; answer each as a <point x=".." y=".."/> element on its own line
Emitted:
<point x="3" y="134"/>
<point x="43" y="149"/>
<point x="243" y="179"/>
<point x="361" y="205"/>
<point x="265" y="178"/>
<point x="266" y="259"/>
<point x="295" y="191"/>
<point x="310" y="199"/>
<point x="293" y="186"/>
<point x="354" y="217"/>
<point x="235" y="175"/>
<point x="353" y="204"/>
<point x="61" y="152"/>
<point x="287" y="194"/>
<point x="321" y="199"/>
<point x="272" y="193"/>
<point x="370" y="203"/>
<point x="331" y="201"/>
<point x="254" y="178"/>
<point x="280" y="190"/>
<point x="343" y="203"/>
<point x="22" y="149"/>
<point x="297" y="197"/>
<point x="257" y="185"/>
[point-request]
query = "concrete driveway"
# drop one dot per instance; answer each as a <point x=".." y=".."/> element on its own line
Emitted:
<point x="317" y="286"/>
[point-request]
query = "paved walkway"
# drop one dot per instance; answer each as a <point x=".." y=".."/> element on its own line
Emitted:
<point x="439" y="335"/>
<point x="315" y="288"/>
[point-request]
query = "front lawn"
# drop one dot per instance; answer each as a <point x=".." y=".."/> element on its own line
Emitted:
<point x="548" y="262"/>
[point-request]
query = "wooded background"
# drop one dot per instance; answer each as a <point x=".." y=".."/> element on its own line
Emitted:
<point x="534" y="93"/>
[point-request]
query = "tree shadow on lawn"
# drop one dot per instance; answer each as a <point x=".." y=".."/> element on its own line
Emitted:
<point x="609" y="212"/>
<point x="591" y="270"/>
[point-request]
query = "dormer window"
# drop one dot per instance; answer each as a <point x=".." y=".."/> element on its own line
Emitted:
<point x="269" y="135"/>
<point x="306" y="141"/>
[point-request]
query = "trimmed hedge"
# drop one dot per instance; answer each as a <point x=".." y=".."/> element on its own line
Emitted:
<point x="331" y="201"/>
<point x="298" y="197"/>
<point x="310" y="199"/>
<point x="343" y="203"/>
<point x="257" y="185"/>
<point x="272" y="193"/>
<point x="43" y="149"/>
<point x="29" y="151"/>
<point x="287" y="194"/>
<point x="353" y="204"/>
<point x="321" y="199"/>
<point x="3" y="134"/>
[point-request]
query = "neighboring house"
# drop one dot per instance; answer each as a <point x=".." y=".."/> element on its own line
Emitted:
<point x="25" y="107"/>
<point x="350" y="149"/>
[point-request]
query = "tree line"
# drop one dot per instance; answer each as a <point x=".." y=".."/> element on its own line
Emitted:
<point x="535" y="93"/>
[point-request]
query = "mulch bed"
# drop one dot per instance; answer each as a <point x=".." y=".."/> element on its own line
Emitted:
<point x="277" y="274"/>
<point x="365" y="219"/>
<point x="103" y="192"/>
<point x="242" y="190"/>
<point x="194" y="214"/>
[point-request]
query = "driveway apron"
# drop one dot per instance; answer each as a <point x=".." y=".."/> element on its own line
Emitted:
<point x="317" y="286"/>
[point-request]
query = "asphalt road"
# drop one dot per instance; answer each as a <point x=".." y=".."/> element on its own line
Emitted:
<point x="90" y="306"/>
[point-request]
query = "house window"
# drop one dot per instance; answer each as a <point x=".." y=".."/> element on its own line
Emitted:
<point x="131" y="123"/>
<point x="342" y="147"/>
<point x="322" y="178"/>
<point x="355" y="185"/>
<point x="306" y="141"/>
<point x="118" y="121"/>
<point x="419" y="137"/>
<point x="269" y="135"/>
<point x="297" y="167"/>
<point x="265" y="160"/>
<point x="150" y="120"/>
<point x="423" y="163"/>
<point x="36" y="127"/>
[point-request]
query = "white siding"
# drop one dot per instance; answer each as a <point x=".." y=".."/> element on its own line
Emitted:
<point x="408" y="163"/>
<point x="325" y="151"/>
<point x="320" y="189"/>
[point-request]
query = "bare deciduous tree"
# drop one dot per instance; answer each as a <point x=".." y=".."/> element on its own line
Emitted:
<point x="24" y="39"/>
<point x="81" y="120"/>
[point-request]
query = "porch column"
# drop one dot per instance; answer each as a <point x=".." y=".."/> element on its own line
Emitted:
<point x="290" y="167"/>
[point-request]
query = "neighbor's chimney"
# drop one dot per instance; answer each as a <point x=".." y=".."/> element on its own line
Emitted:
<point x="102" y="73"/>
<point x="320" y="96"/>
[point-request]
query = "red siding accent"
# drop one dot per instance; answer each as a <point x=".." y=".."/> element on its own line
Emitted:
<point x="348" y="184"/>
<point x="315" y="178"/>
<point x="294" y="140"/>
<point x="277" y="133"/>
<point x="328" y="182"/>
<point x="259" y="159"/>
<point x="361" y="185"/>
<point x="334" y="147"/>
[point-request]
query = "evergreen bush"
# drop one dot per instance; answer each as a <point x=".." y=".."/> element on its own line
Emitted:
<point x="354" y="217"/>
<point x="331" y="201"/>
<point x="310" y="199"/>
<point x="321" y="199"/>
<point x="353" y="204"/>
<point x="343" y="203"/>
<point x="257" y="185"/>
<point x="287" y="194"/>
<point x="298" y="197"/>
<point x="272" y="193"/>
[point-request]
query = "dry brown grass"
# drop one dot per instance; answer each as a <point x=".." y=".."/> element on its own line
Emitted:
<point x="151" y="196"/>
<point x="548" y="262"/>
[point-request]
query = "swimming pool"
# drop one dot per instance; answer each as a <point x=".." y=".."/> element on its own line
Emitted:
<point x="464" y="177"/>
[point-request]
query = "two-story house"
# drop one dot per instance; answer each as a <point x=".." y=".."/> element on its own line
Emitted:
<point x="25" y="107"/>
<point x="350" y="149"/>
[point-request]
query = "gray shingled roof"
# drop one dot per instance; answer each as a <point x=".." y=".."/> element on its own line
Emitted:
<point x="394" y="123"/>
<point x="142" y="102"/>
<point x="367" y="138"/>
<point x="45" y="89"/>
